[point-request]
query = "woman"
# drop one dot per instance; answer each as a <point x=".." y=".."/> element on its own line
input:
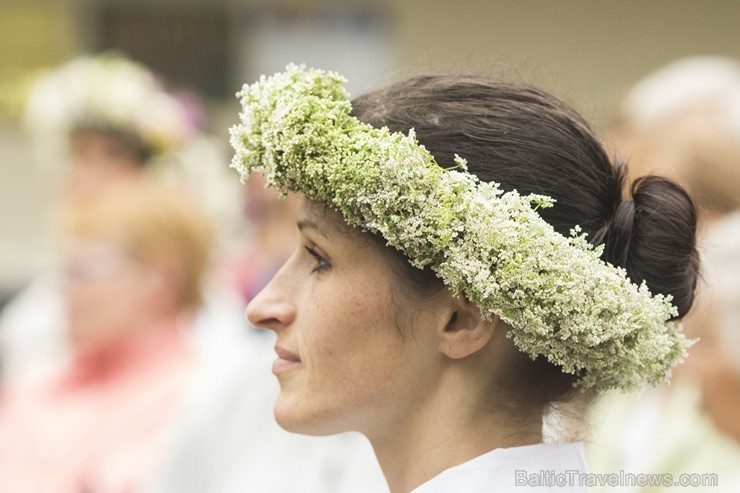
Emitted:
<point x="448" y="349"/>
<point x="97" y="121"/>
<point x="134" y="261"/>
<point x="94" y="122"/>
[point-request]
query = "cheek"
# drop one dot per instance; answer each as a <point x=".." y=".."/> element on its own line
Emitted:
<point x="106" y="304"/>
<point x="357" y="353"/>
<point x="87" y="300"/>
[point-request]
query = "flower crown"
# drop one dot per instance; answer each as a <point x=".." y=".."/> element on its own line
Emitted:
<point x="111" y="91"/>
<point x="560" y="299"/>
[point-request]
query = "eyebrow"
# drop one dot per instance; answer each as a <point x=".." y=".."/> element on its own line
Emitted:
<point x="309" y="224"/>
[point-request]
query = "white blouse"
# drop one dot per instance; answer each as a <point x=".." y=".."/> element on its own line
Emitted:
<point x="555" y="468"/>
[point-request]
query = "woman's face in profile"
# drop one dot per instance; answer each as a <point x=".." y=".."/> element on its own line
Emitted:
<point x="352" y="350"/>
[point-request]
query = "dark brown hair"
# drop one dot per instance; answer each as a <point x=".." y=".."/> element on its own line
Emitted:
<point x="525" y="139"/>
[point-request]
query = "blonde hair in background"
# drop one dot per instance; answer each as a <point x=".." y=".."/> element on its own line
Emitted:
<point x="152" y="224"/>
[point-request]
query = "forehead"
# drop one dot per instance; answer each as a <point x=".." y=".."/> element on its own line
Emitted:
<point x="325" y="220"/>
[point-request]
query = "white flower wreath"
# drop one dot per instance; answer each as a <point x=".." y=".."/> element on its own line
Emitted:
<point x="561" y="300"/>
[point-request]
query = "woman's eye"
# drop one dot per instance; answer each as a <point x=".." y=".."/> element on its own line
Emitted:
<point x="321" y="262"/>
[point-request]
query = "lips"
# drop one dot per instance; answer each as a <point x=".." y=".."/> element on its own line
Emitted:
<point x="285" y="361"/>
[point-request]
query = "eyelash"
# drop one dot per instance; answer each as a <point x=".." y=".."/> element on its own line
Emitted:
<point x="323" y="263"/>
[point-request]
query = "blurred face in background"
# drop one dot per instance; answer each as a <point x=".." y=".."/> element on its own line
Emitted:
<point x="100" y="157"/>
<point x="134" y="258"/>
<point x="109" y="295"/>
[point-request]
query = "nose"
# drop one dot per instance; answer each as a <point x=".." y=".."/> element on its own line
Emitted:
<point x="272" y="308"/>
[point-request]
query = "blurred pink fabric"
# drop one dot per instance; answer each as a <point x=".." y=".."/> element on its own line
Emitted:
<point x="97" y="425"/>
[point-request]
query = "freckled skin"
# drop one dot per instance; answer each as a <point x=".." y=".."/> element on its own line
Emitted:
<point x="358" y="368"/>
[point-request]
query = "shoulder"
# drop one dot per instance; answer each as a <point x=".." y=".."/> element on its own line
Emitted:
<point x="542" y="468"/>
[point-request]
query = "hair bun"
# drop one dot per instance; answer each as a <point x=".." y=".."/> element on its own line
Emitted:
<point x="654" y="235"/>
<point x="619" y="234"/>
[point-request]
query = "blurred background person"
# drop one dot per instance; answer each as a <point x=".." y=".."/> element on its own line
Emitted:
<point x="132" y="269"/>
<point x="683" y="121"/>
<point x="97" y="121"/>
<point x="81" y="118"/>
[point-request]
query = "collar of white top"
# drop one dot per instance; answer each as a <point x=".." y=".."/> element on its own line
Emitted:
<point x="518" y="469"/>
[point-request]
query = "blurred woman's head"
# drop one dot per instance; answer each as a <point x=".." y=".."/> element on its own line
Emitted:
<point x="98" y="118"/>
<point x="134" y="254"/>
<point x="683" y="121"/>
<point x="101" y="156"/>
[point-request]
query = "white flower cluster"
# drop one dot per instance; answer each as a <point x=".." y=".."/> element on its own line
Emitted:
<point x="111" y="91"/>
<point x="561" y="300"/>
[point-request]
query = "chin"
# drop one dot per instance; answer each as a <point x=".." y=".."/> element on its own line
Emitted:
<point x="298" y="418"/>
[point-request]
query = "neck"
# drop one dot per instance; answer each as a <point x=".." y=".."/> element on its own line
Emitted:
<point x="443" y="432"/>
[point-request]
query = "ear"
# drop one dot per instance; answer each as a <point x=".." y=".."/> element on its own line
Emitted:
<point x="465" y="332"/>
